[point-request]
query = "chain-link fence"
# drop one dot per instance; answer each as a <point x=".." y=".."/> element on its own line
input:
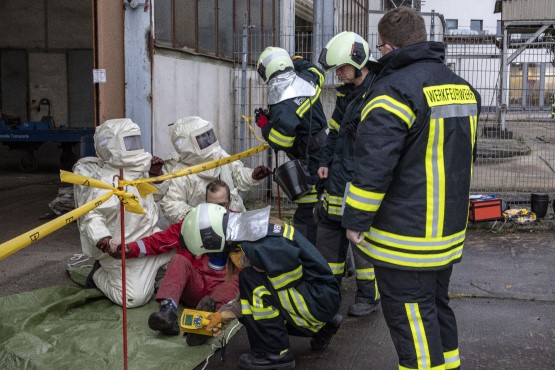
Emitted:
<point x="515" y="158"/>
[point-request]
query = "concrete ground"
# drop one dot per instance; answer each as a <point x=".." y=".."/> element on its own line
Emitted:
<point x="502" y="291"/>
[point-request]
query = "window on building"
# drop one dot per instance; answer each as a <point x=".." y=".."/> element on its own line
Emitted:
<point x="476" y="25"/>
<point x="207" y="26"/>
<point x="452" y="24"/>
<point x="499" y="30"/>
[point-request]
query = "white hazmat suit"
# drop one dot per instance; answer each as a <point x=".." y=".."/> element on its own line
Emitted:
<point x="118" y="145"/>
<point x="195" y="142"/>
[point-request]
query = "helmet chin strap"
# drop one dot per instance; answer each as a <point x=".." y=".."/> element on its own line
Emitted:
<point x="358" y="73"/>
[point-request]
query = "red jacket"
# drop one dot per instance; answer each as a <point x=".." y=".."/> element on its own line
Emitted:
<point x="162" y="242"/>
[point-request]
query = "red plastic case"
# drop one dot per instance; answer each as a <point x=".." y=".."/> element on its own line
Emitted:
<point x="484" y="210"/>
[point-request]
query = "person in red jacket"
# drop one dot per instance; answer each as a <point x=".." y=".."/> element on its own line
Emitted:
<point x="196" y="282"/>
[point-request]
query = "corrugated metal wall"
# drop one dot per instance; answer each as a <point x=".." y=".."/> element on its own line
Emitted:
<point x="516" y="10"/>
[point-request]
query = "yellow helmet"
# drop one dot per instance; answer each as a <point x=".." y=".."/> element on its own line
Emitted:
<point x="273" y="60"/>
<point x="345" y="48"/>
<point x="203" y="229"/>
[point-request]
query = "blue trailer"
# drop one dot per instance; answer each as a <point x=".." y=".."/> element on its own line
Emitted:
<point x="29" y="136"/>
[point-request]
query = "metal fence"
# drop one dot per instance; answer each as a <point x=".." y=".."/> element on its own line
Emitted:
<point x="513" y="161"/>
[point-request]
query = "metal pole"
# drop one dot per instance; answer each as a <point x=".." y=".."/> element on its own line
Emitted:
<point x="242" y="128"/>
<point x="317" y="35"/>
<point x="504" y="82"/>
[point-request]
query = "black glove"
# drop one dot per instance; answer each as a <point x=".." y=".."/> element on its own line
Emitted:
<point x="262" y="117"/>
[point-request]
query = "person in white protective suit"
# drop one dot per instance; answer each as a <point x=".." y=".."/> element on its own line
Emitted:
<point x="118" y="145"/>
<point x="195" y="142"/>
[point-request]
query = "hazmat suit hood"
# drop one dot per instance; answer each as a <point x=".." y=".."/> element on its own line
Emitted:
<point x="118" y="143"/>
<point x="195" y="141"/>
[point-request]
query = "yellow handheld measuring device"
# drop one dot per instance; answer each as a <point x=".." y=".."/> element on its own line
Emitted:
<point x="193" y="321"/>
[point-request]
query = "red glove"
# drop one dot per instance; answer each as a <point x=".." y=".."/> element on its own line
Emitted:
<point x="261" y="117"/>
<point x="104" y="244"/>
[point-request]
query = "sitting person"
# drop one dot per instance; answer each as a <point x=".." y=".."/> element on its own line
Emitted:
<point x="196" y="282"/>
<point x="118" y="146"/>
<point x="195" y="142"/>
<point x="285" y="285"/>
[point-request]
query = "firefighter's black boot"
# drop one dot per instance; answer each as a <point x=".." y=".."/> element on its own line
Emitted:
<point x="263" y="361"/>
<point x="321" y="340"/>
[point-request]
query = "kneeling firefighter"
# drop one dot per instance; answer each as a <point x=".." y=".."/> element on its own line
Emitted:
<point x="285" y="285"/>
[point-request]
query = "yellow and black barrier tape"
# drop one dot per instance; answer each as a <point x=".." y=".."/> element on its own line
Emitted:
<point x="130" y="201"/>
<point x="196" y="168"/>
<point x="23" y="240"/>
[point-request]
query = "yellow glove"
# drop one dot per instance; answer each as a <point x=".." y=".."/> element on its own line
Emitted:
<point x="217" y="318"/>
<point x="235" y="257"/>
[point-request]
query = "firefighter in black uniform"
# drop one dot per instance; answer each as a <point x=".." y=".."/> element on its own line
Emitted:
<point x="294" y="121"/>
<point x="407" y="206"/>
<point x="285" y="285"/>
<point x="348" y="54"/>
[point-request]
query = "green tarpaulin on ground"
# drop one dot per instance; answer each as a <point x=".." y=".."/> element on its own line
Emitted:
<point x="68" y="327"/>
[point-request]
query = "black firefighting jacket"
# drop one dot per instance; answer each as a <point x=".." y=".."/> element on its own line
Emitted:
<point x="414" y="153"/>
<point x="298" y="123"/>
<point x="337" y="155"/>
<point x="298" y="273"/>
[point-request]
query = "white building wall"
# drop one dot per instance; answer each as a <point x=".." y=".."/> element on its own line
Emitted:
<point x="466" y="10"/>
<point x="190" y="88"/>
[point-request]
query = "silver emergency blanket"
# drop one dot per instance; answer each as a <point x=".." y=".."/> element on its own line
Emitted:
<point x="288" y="86"/>
<point x="248" y="226"/>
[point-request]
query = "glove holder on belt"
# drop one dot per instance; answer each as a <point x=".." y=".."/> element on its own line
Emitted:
<point x="292" y="177"/>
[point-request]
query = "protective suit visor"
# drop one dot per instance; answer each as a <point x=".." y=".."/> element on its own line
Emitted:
<point x="131" y="144"/>
<point x="206" y="139"/>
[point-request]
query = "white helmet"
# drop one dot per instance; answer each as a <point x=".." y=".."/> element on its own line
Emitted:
<point x="273" y="60"/>
<point x="118" y="142"/>
<point x="195" y="140"/>
<point x="345" y="48"/>
<point x="203" y="229"/>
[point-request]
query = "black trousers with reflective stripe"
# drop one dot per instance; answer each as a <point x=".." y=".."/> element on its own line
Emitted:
<point x="416" y="308"/>
<point x="303" y="221"/>
<point x="332" y="242"/>
<point x="266" y="335"/>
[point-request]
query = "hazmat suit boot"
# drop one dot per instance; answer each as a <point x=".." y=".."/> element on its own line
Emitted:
<point x="207" y="304"/>
<point x="165" y="321"/>
<point x="321" y="339"/>
<point x="262" y="361"/>
<point x="89" y="283"/>
<point x="363" y="308"/>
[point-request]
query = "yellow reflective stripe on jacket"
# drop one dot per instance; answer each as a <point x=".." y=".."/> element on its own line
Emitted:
<point x="399" y="109"/>
<point x="365" y="274"/>
<point x="337" y="268"/>
<point x="418" y="336"/>
<point x="333" y="125"/>
<point x="435" y="179"/>
<point x="280" y="139"/>
<point x="287" y="278"/>
<point x="293" y="302"/>
<point x="288" y="231"/>
<point x="321" y="77"/>
<point x="310" y="197"/>
<point x="303" y="108"/>
<point x="257" y="308"/>
<point x="333" y="204"/>
<point x="452" y="359"/>
<point x="407" y="251"/>
<point x="363" y="200"/>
